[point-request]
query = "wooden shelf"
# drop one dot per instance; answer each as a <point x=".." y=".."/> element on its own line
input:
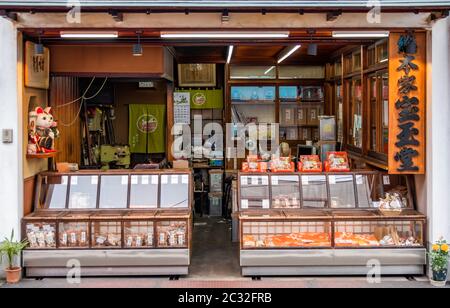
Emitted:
<point x="42" y="155"/>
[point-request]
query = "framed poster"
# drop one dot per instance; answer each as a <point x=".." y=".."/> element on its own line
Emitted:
<point x="37" y="67"/>
<point x="197" y="75"/>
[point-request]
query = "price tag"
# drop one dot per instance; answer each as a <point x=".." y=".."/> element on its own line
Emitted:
<point x="254" y="180"/>
<point x="332" y="179"/>
<point x="64" y="180"/>
<point x="185" y="179"/>
<point x="265" y="204"/>
<point x="305" y="180"/>
<point x="359" y="180"/>
<point x="244" y="204"/>
<point x="164" y="179"/>
<point x="386" y="180"/>
<point x="155" y="180"/>
<point x="134" y="180"/>
<point x="244" y="180"/>
<point x="275" y="181"/>
<point x="145" y="179"/>
<point x="124" y="180"/>
<point x="74" y="180"/>
<point x="174" y="180"/>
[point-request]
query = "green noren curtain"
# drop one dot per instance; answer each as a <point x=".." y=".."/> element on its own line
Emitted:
<point x="206" y="99"/>
<point x="147" y="133"/>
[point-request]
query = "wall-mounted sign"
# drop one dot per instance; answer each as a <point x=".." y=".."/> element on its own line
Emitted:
<point x="407" y="82"/>
<point x="37" y="67"/>
<point x="197" y="75"/>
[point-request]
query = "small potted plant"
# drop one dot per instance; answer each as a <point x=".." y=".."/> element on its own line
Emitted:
<point x="439" y="263"/>
<point x="12" y="249"/>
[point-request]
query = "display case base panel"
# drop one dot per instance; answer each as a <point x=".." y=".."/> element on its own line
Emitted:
<point x="332" y="262"/>
<point x="107" y="262"/>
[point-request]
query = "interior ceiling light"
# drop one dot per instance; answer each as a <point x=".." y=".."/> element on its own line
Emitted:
<point x="89" y="35"/>
<point x="287" y="53"/>
<point x="138" y="51"/>
<point x="223" y="35"/>
<point x="360" y="34"/>
<point x="269" y="70"/>
<point x="312" y="47"/>
<point x="230" y="54"/>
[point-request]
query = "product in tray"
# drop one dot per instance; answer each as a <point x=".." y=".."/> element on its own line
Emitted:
<point x="301" y="240"/>
<point x="286" y="201"/>
<point x="108" y="240"/>
<point x="173" y="235"/>
<point x="139" y="239"/>
<point x="41" y="235"/>
<point x="337" y="162"/>
<point x="73" y="235"/>
<point x="393" y="203"/>
<point x="253" y="164"/>
<point x="310" y="163"/>
<point x="347" y="239"/>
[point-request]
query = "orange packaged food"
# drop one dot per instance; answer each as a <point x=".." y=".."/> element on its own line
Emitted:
<point x="310" y="163"/>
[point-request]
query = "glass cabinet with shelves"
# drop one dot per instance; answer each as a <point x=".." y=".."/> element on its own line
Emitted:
<point x="133" y="210"/>
<point x="337" y="228"/>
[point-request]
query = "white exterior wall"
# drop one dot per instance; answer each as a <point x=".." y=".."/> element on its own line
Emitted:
<point x="438" y="122"/>
<point x="11" y="178"/>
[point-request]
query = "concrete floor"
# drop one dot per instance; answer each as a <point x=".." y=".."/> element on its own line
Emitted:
<point x="215" y="264"/>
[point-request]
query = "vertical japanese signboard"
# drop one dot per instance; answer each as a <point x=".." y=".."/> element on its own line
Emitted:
<point x="407" y="85"/>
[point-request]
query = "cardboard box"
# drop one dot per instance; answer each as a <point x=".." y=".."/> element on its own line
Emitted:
<point x="181" y="164"/>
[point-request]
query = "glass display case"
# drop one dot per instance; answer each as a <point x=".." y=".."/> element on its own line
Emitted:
<point x="336" y="227"/>
<point x="145" y="210"/>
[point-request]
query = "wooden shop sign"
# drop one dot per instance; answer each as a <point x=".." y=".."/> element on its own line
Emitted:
<point x="407" y="82"/>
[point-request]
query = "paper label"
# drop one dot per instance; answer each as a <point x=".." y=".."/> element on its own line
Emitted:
<point x="64" y="180"/>
<point x="74" y="180"/>
<point x="265" y="204"/>
<point x="164" y="179"/>
<point x="124" y="180"/>
<point x="332" y="179"/>
<point x="134" y="180"/>
<point x="288" y="114"/>
<point x="386" y="180"/>
<point x="185" y="179"/>
<point x="305" y="180"/>
<point x="174" y="180"/>
<point x="94" y="180"/>
<point x="274" y="180"/>
<point x="254" y="180"/>
<point x="244" y="204"/>
<point x="155" y="180"/>
<point x="244" y="180"/>
<point x="145" y="179"/>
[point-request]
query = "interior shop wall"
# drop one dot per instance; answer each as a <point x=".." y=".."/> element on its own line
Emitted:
<point x="11" y="188"/>
<point x="129" y="93"/>
<point x="106" y="59"/>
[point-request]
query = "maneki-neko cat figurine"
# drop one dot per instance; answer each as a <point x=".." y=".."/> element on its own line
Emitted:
<point x="43" y="130"/>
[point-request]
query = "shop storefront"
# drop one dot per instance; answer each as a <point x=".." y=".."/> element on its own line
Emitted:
<point x="317" y="129"/>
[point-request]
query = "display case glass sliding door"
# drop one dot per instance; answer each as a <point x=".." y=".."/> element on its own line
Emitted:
<point x="294" y="191"/>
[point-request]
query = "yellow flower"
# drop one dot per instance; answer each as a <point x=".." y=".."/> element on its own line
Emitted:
<point x="435" y="247"/>
<point x="444" y="248"/>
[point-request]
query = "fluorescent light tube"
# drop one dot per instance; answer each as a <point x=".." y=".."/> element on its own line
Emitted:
<point x="269" y="70"/>
<point x="360" y="34"/>
<point x="222" y="35"/>
<point x="89" y="35"/>
<point x="290" y="52"/>
<point x="230" y="54"/>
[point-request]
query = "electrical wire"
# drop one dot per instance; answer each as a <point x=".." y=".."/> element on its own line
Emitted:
<point x="78" y="99"/>
<point x="83" y="100"/>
